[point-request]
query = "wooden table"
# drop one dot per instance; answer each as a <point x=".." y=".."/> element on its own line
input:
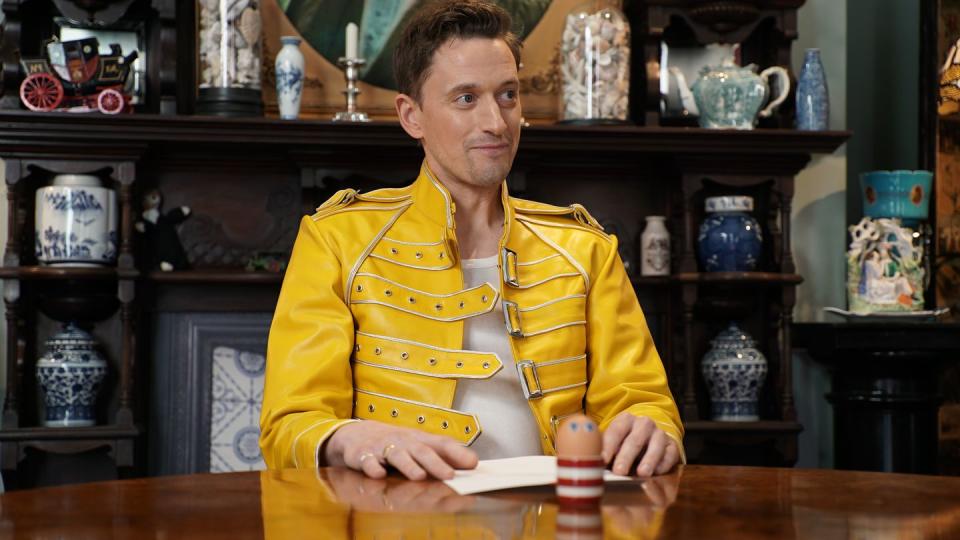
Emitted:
<point x="695" y="502"/>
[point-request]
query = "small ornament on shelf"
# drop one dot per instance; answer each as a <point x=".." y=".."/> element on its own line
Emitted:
<point x="884" y="267"/>
<point x="734" y="370"/>
<point x="73" y="76"/>
<point x="228" y="64"/>
<point x="160" y="232"/>
<point x="76" y="222"/>
<point x="70" y="373"/>
<point x="351" y="64"/>
<point x="730" y="238"/>
<point x="289" y="75"/>
<point x="595" y="64"/>
<point x="655" y="248"/>
<point x="730" y="97"/>
<point x="266" y="261"/>
<point x="813" y="101"/>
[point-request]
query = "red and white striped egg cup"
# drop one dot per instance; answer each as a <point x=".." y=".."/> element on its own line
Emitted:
<point x="579" y="480"/>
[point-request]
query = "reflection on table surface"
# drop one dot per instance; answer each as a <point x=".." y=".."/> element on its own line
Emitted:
<point x="349" y="505"/>
<point x="694" y="502"/>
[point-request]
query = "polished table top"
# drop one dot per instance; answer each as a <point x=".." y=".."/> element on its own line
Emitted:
<point x="694" y="502"/>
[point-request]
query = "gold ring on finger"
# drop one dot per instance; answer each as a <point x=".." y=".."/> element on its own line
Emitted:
<point x="386" y="450"/>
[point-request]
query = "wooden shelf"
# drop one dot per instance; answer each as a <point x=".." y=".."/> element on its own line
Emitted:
<point x="769" y="279"/>
<point x="773" y="279"/>
<point x="708" y="427"/>
<point x="66" y="272"/>
<point x="69" y="433"/>
<point x="217" y="276"/>
<point x="24" y="133"/>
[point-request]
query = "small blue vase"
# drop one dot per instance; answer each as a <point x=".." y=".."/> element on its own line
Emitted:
<point x="813" y="102"/>
<point x="729" y="238"/>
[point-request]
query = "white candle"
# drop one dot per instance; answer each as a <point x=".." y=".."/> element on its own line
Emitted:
<point x="351" y="40"/>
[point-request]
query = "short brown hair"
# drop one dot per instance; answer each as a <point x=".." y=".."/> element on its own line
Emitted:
<point x="439" y="22"/>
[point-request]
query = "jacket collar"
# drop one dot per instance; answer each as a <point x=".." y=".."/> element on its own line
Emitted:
<point x="433" y="199"/>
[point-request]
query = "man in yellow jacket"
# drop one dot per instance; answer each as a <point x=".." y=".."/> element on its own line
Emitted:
<point x="426" y="326"/>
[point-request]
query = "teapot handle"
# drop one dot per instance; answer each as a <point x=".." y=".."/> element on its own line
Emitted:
<point x="784" y="88"/>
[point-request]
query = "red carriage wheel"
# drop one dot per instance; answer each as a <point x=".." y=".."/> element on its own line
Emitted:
<point x="41" y="92"/>
<point x="110" y="101"/>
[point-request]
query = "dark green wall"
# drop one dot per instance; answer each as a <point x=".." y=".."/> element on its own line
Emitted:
<point x="883" y="51"/>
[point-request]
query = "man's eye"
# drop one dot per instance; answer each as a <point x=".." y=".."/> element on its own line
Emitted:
<point x="510" y="94"/>
<point x="466" y="98"/>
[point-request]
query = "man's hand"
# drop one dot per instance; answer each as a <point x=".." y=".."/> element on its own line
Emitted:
<point x="628" y="437"/>
<point x="370" y="446"/>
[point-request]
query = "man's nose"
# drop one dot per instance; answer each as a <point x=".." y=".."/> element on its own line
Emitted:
<point x="491" y="117"/>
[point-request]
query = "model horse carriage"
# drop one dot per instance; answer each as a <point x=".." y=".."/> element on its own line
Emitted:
<point x="74" y="76"/>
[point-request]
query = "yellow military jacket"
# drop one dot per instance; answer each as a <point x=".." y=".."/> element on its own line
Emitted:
<point x="369" y="323"/>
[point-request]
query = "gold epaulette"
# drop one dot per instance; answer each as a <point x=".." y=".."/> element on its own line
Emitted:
<point x="575" y="211"/>
<point x="347" y="197"/>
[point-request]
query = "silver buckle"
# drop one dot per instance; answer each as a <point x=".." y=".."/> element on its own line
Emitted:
<point x="508" y="266"/>
<point x="523" y="379"/>
<point x="515" y="332"/>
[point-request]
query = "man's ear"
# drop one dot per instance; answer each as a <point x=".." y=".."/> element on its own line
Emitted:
<point x="409" y="113"/>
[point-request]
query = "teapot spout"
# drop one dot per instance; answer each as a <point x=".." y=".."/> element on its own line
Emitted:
<point x="686" y="96"/>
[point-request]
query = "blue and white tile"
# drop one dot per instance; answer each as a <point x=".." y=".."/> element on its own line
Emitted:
<point x="237" y="392"/>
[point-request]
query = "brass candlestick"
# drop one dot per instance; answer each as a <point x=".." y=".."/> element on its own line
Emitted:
<point x="351" y="66"/>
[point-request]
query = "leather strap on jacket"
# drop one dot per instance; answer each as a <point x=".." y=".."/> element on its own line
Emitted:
<point x="415" y="414"/>
<point x="412" y="357"/>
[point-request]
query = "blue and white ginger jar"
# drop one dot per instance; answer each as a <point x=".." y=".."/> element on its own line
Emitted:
<point x="70" y="373"/>
<point x="734" y="370"/>
<point x="729" y="239"/>
<point x="76" y="222"/>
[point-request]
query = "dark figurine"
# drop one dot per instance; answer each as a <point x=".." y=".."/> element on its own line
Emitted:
<point x="160" y="233"/>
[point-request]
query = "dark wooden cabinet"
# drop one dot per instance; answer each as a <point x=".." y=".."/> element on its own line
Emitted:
<point x="250" y="180"/>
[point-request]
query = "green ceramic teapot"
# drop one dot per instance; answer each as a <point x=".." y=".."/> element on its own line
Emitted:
<point x="729" y="96"/>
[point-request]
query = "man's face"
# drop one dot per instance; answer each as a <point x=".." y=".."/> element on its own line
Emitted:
<point x="469" y="114"/>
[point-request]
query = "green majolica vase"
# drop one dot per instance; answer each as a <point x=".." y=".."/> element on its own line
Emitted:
<point x="729" y="96"/>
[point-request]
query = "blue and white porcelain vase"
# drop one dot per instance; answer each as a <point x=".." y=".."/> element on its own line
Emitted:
<point x="76" y="222"/>
<point x="70" y="373"/>
<point x="289" y="72"/>
<point x="813" y="101"/>
<point x="729" y="238"/>
<point x="734" y="370"/>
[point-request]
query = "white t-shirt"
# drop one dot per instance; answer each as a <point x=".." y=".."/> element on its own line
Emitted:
<point x="509" y="428"/>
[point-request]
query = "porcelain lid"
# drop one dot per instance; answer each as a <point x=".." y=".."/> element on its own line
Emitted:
<point x="729" y="203"/>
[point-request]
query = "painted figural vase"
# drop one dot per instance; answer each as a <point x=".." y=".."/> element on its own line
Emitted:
<point x="289" y="74"/>
<point x="70" y="373"/>
<point x="76" y="222"/>
<point x="734" y="370"/>
<point x="730" y="238"/>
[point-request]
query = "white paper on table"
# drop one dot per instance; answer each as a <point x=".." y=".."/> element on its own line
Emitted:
<point x="494" y="474"/>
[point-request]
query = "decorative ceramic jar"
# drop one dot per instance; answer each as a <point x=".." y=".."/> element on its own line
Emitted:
<point x="655" y="248"/>
<point x="730" y="97"/>
<point x="228" y="63"/>
<point x="734" y="371"/>
<point x="595" y="64"/>
<point x="70" y="373"/>
<point x="289" y="75"/>
<point x="730" y="238"/>
<point x="76" y="222"/>
<point x="897" y="194"/>
<point x="885" y="267"/>
<point x="813" y="102"/>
